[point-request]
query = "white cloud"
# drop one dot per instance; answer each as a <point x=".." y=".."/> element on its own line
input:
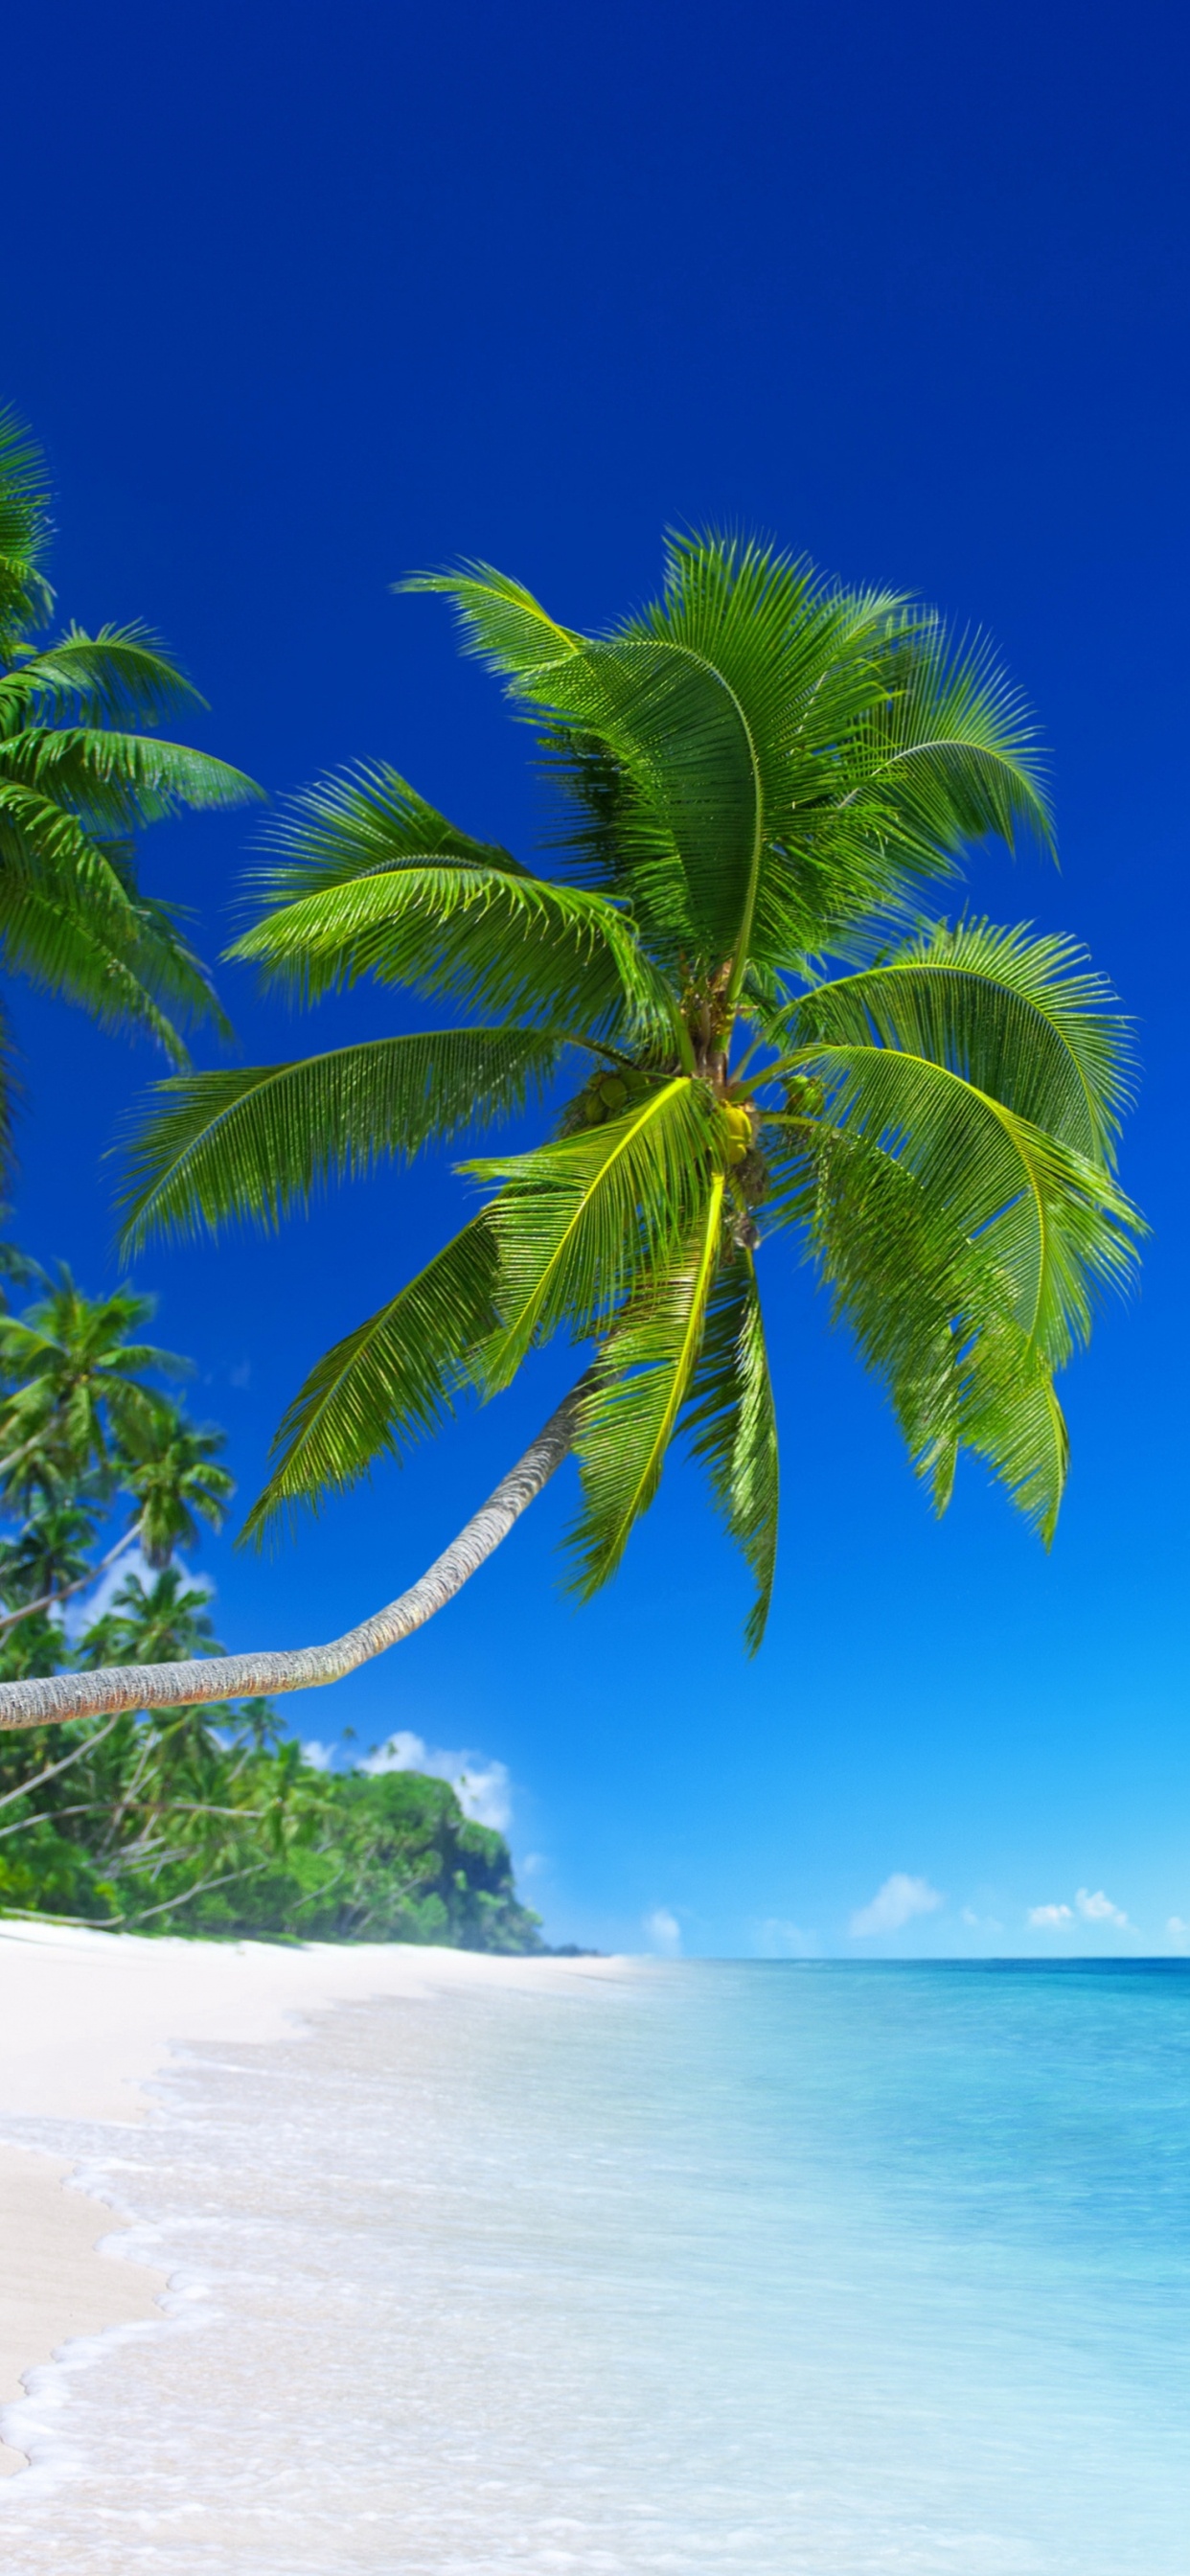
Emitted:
<point x="1049" y="1918"/>
<point x="1099" y="1909"/>
<point x="664" y="1931"/>
<point x="1177" y="1930"/>
<point x="483" y="1789"/>
<point x="319" y="1756"/>
<point x="981" y="1922"/>
<point x="895" y="1904"/>
<point x="780" y="1940"/>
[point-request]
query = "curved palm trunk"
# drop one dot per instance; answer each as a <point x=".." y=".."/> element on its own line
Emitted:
<point x="216" y="1677"/>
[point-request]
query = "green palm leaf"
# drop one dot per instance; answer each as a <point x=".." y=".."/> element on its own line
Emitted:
<point x="576" y="1221"/>
<point x="1057" y="1224"/>
<point x="253" y="1142"/>
<point x="934" y="1314"/>
<point x="25" y="595"/>
<point x="379" y="884"/>
<point x="952" y="745"/>
<point x="115" y="782"/>
<point x="500" y="622"/>
<point x="1010" y="1013"/>
<point x="76" y="782"/>
<point x="763" y="756"/>
<point x="396" y="1377"/>
<point x="732" y="1422"/>
<point x="120" y="676"/>
<point x="627" y="1418"/>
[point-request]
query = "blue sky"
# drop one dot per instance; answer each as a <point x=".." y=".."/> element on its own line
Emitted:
<point x="299" y="298"/>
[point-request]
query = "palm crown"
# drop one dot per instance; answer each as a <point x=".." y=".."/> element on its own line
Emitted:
<point x="759" y="778"/>
<point x="76" y="783"/>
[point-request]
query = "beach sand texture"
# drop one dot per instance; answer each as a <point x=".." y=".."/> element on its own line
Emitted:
<point x="86" y="2019"/>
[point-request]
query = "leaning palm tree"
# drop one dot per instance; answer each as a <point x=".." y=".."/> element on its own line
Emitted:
<point x="79" y="775"/>
<point x="751" y="1036"/>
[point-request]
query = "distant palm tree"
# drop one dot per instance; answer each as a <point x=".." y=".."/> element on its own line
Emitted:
<point x="171" y="1469"/>
<point x="760" y="776"/>
<point x="164" y="1621"/>
<point x="79" y="1424"/>
<point x="76" y="783"/>
<point x="75" y="1400"/>
<point x="49" y="1559"/>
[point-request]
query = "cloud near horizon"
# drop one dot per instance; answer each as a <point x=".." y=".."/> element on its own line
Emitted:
<point x="894" y="1905"/>
<point x="664" y="1931"/>
<point x="1094" y="1908"/>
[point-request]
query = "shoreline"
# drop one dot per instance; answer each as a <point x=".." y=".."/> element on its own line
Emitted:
<point x="89" y="2017"/>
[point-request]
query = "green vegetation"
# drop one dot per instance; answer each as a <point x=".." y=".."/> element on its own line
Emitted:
<point x="76" y="783"/>
<point x="196" y="1821"/>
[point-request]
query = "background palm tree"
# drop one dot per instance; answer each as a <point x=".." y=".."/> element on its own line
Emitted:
<point x="75" y="1400"/>
<point x="80" y="1422"/>
<point x="79" y="775"/>
<point x="759" y="777"/>
<point x="48" y="1559"/>
<point x="171" y="1469"/>
<point x="166" y="1620"/>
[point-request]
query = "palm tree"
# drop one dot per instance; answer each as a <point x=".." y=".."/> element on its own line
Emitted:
<point x="760" y="776"/>
<point x="167" y="1620"/>
<point x="76" y="1402"/>
<point x="48" y="1560"/>
<point x="77" y="780"/>
<point x="172" y="1470"/>
<point x="77" y="1424"/>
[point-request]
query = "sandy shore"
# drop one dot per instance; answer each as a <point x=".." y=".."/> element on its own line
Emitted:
<point x="85" y="2019"/>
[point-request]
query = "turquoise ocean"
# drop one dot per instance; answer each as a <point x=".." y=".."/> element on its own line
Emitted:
<point x="792" y="2269"/>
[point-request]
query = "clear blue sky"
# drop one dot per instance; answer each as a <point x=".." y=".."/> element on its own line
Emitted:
<point x="299" y="297"/>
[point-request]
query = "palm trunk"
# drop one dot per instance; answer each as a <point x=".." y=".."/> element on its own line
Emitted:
<point x="219" y="1677"/>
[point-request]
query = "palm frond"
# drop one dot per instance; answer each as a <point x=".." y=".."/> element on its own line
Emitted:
<point x="119" y="676"/>
<point x="762" y="756"/>
<point x="116" y="782"/>
<point x="61" y="954"/>
<point x="500" y="622"/>
<point x="395" y="1378"/>
<point x="732" y="1422"/>
<point x="396" y="892"/>
<point x="1017" y="1016"/>
<point x="577" y="1220"/>
<point x="254" y="1142"/>
<point x="1058" y="1226"/>
<point x="25" y="596"/>
<point x="628" y="1415"/>
<point x="953" y="744"/>
<point x="934" y="1314"/>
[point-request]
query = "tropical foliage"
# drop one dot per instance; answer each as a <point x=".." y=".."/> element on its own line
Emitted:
<point x="748" y="1028"/>
<point x="194" y="1820"/>
<point x="82" y="768"/>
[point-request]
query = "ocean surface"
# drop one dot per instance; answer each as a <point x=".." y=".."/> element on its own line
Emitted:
<point x="779" y="2268"/>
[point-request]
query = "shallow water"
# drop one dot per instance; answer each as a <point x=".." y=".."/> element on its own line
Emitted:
<point x="803" y="2270"/>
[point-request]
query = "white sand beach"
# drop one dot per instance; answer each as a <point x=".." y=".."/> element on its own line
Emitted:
<point x="86" y="2019"/>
